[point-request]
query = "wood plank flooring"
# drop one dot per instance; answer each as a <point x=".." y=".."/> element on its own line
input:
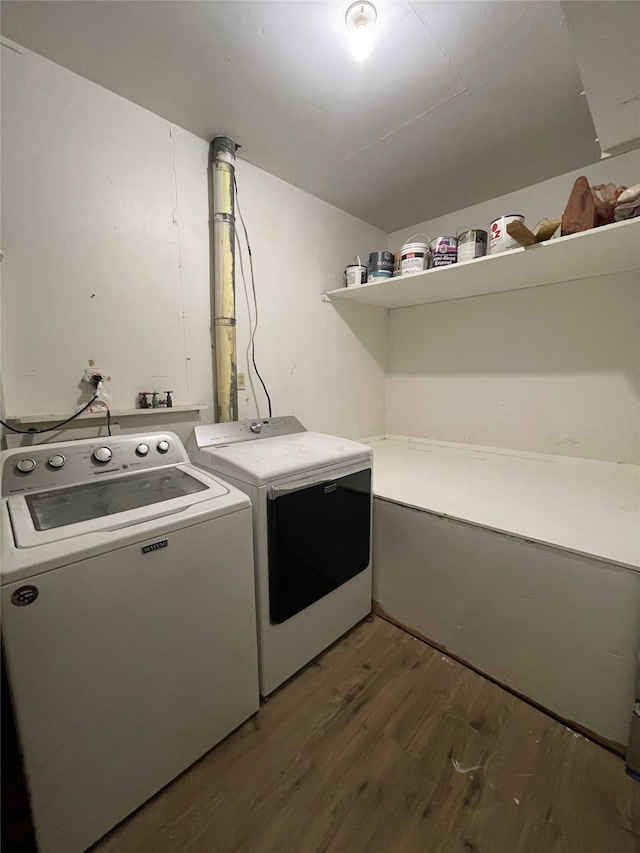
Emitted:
<point x="358" y="754"/>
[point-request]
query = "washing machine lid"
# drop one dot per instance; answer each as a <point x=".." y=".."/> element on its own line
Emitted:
<point x="95" y="500"/>
<point x="258" y="463"/>
<point x="115" y="503"/>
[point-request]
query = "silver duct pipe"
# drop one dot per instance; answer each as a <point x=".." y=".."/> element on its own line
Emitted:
<point x="223" y="158"/>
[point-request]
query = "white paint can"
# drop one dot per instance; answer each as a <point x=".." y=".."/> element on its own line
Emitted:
<point x="355" y="274"/>
<point x="500" y="241"/>
<point x="415" y="255"/>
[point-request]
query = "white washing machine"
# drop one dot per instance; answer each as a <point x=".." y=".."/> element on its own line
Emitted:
<point x="311" y="496"/>
<point x="128" y="623"/>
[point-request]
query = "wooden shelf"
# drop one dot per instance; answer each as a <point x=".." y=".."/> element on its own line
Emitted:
<point x="115" y="413"/>
<point x="601" y="251"/>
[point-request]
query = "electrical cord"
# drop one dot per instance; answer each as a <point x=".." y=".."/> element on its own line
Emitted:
<point x="62" y="423"/>
<point x="248" y="301"/>
<point x="252" y="342"/>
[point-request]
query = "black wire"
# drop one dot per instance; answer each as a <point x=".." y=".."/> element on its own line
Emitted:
<point x="57" y="426"/>
<point x="255" y="299"/>
<point x="108" y="419"/>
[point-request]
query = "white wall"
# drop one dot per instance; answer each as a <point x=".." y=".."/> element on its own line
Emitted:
<point x="104" y="233"/>
<point x="106" y="257"/>
<point x="548" y="370"/>
<point x="546" y="200"/>
<point x="324" y="365"/>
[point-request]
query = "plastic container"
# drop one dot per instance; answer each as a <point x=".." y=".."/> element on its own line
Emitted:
<point x="415" y="255"/>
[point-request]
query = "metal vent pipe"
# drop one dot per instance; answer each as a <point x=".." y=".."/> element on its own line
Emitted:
<point x="223" y="158"/>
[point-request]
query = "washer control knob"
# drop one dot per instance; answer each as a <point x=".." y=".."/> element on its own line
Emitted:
<point x="163" y="446"/>
<point x="142" y="449"/>
<point x="256" y="427"/>
<point x="102" y="454"/>
<point x="26" y="465"/>
<point x="57" y="461"/>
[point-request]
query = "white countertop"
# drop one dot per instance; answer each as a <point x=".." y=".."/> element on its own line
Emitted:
<point x="580" y="505"/>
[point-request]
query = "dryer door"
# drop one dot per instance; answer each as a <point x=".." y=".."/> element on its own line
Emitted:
<point x="319" y="538"/>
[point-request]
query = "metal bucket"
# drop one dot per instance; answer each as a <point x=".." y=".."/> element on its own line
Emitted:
<point x="472" y="243"/>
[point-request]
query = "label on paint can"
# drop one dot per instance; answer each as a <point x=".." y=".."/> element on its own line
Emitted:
<point x="472" y="244"/>
<point x="445" y="251"/>
<point x="500" y="240"/>
<point x="381" y="264"/>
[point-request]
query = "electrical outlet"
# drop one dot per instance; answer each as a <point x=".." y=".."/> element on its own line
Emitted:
<point x="90" y="372"/>
<point x="241" y="382"/>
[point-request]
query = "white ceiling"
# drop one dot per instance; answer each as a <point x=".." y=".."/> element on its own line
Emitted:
<point x="606" y="39"/>
<point x="458" y="103"/>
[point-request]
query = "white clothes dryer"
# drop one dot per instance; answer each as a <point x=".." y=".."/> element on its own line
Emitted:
<point x="311" y="496"/>
<point x="128" y="623"/>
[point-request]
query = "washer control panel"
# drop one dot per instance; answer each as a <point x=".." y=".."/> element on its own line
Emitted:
<point x="213" y="435"/>
<point x="47" y="466"/>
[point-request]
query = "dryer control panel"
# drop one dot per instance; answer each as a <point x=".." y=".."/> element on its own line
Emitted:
<point x="67" y="463"/>
<point x="214" y="435"/>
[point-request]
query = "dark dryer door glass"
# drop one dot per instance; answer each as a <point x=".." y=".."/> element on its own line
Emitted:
<point x="318" y="539"/>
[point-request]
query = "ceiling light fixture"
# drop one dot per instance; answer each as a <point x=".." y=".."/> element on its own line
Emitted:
<point x="360" y="19"/>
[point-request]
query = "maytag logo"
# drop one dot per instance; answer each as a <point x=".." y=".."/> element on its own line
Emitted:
<point x="331" y="488"/>
<point x="147" y="549"/>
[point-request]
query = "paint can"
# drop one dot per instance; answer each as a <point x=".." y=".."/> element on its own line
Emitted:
<point x="500" y="241"/>
<point x="415" y="255"/>
<point x="380" y="265"/>
<point x="444" y="251"/>
<point x="355" y="274"/>
<point x="472" y="243"/>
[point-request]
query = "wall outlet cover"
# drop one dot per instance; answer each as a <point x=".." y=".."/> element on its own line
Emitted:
<point x="90" y="372"/>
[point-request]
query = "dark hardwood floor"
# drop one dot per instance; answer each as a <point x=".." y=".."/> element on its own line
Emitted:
<point x="369" y="749"/>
